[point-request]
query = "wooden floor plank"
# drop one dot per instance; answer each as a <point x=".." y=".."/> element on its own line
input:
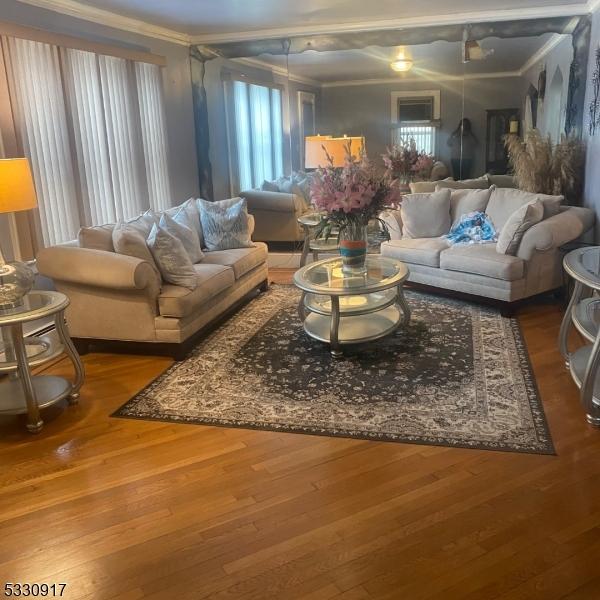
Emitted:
<point x="130" y="509"/>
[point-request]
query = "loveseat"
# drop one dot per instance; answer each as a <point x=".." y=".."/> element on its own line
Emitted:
<point x="123" y="299"/>
<point x="535" y="266"/>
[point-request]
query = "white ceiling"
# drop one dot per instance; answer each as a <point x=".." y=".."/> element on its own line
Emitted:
<point x="220" y="17"/>
<point x="430" y="60"/>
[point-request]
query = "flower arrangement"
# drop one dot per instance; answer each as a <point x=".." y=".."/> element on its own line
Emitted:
<point x="351" y="196"/>
<point x="406" y="163"/>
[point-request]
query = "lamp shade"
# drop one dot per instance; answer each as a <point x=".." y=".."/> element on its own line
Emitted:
<point x="318" y="146"/>
<point x="17" y="191"/>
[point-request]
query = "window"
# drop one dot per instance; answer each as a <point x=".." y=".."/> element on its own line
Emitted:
<point x="416" y="115"/>
<point x="258" y="134"/>
<point x="93" y="129"/>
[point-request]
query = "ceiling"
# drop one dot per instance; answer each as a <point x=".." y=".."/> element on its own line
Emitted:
<point x="510" y="55"/>
<point x="221" y="17"/>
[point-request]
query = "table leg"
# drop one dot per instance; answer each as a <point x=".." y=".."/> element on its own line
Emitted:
<point x="589" y="383"/>
<point x="315" y="255"/>
<point x="302" y="308"/>
<point x="334" y="328"/>
<point x="404" y="306"/>
<point x="306" y="246"/>
<point x="65" y="338"/>
<point x="563" y="336"/>
<point x="34" y="421"/>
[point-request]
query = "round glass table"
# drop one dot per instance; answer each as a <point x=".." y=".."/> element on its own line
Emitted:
<point x="339" y="309"/>
<point x="24" y="393"/>
<point x="309" y="223"/>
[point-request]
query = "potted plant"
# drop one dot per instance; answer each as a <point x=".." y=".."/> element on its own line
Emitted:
<point x="349" y="197"/>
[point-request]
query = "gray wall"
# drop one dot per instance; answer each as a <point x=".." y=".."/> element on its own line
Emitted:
<point x="591" y="196"/>
<point x="177" y="85"/>
<point x="560" y="57"/>
<point x="215" y="91"/>
<point x="366" y="110"/>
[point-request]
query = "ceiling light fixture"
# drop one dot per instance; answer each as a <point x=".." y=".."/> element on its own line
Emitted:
<point x="403" y="62"/>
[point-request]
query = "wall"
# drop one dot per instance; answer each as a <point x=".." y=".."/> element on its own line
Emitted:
<point x="552" y="111"/>
<point x="177" y="85"/>
<point x="219" y="151"/>
<point x="366" y="110"/>
<point x="591" y="196"/>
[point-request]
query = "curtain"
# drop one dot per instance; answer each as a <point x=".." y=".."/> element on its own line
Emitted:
<point x="258" y="135"/>
<point x="149" y="88"/>
<point x="94" y="130"/>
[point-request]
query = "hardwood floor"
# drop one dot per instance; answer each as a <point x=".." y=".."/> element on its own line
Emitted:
<point x="133" y="509"/>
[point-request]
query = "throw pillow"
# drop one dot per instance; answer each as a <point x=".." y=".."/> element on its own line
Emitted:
<point x="180" y="227"/>
<point x="173" y="261"/>
<point x="517" y="224"/>
<point x="425" y="215"/>
<point x="505" y="201"/>
<point x="97" y="238"/>
<point x="130" y="241"/>
<point x="481" y="183"/>
<point x="269" y="186"/>
<point x="463" y="202"/>
<point x="191" y="210"/>
<point x="144" y="222"/>
<point x="225" y="224"/>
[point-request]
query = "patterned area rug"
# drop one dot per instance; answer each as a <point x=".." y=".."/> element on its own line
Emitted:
<point x="459" y="375"/>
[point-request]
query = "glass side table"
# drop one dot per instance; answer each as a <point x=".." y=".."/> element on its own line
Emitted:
<point x="24" y="393"/>
<point x="583" y="312"/>
<point x="309" y="223"/>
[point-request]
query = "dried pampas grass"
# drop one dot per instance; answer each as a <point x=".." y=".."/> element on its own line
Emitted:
<point x="546" y="168"/>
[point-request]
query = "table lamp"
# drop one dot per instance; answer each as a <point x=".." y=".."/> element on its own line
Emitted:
<point x="317" y="147"/>
<point x="17" y="192"/>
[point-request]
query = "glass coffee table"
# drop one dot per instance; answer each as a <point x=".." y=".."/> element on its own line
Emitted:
<point x="339" y="309"/>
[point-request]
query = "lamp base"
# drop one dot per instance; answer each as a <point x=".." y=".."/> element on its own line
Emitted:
<point x="16" y="279"/>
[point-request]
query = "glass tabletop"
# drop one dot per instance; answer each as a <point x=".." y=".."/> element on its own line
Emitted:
<point x="326" y="276"/>
<point x="584" y="265"/>
<point x="35" y="305"/>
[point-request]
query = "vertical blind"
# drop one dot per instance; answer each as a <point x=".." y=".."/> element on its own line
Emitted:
<point x="258" y="133"/>
<point x="94" y="130"/>
<point x="424" y="136"/>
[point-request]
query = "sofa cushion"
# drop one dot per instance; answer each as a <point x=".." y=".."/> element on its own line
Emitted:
<point x="241" y="260"/>
<point x="481" y="183"/>
<point x="178" y="301"/>
<point x="97" y="238"/>
<point x="463" y="202"/>
<point x="420" y="251"/>
<point x="502" y="181"/>
<point x="425" y="187"/>
<point x="425" y="215"/>
<point x="482" y="259"/>
<point x="517" y="224"/>
<point x="504" y="201"/>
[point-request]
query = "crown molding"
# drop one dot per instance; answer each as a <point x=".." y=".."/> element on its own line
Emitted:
<point x="111" y="19"/>
<point x="541" y="53"/>
<point x="382" y="24"/>
<point x="440" y="77"/>
<point x="265" y="66"/>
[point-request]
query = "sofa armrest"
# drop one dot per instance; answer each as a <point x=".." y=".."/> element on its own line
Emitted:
<point x="555" y="231"/>
<point x="393" y="220"/>
<point x="258" y="200"/>
<point x="251" y="224"/>
<point x="96" y="268"/>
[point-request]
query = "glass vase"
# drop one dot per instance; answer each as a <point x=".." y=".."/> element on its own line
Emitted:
<point x="353" y="248"/>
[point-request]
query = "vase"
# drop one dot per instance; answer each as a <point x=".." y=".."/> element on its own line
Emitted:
<point x="353" y="248"/>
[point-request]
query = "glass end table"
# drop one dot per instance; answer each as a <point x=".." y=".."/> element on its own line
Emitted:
<point x="583" y="312"/>
<point x="339" y="309"/>
<point x="309" y="223"/>
<point x="24" y="393"/>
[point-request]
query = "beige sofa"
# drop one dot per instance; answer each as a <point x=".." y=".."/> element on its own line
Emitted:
<point x="122" y="299"/>
<point x="276" y="215"/>
<point x="479" y="269"/>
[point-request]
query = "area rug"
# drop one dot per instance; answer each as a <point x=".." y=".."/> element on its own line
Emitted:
<point x="458" y="375"/>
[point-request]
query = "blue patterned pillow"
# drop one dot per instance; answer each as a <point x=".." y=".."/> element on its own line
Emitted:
<point x="225" y="224"/>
